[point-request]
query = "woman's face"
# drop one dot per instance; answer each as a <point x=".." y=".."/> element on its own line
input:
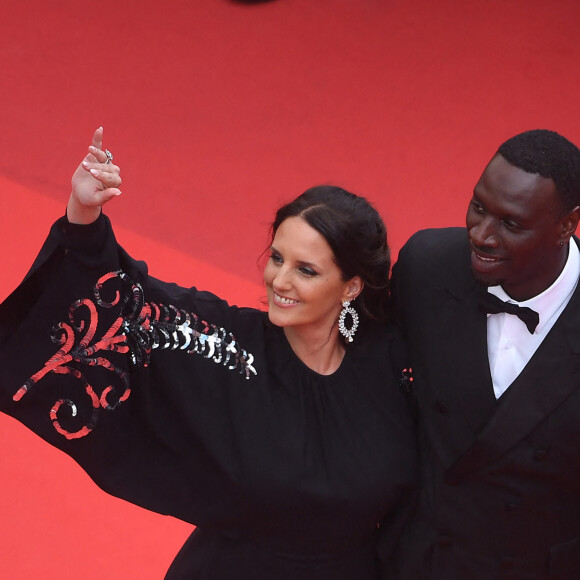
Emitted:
<point x="304" y="285"/>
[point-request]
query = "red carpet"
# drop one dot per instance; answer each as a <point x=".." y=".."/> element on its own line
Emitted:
<point x="218" y="111"/>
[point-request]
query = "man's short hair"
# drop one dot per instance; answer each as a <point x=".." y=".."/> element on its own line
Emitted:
<point x="551" y="155"/>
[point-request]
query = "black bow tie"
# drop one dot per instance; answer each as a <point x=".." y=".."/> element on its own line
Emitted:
<point x="492" y="304"/>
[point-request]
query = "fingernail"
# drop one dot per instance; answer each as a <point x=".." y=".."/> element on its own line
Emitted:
<point x="95" y="172"/>
<point x="85" y="163"/>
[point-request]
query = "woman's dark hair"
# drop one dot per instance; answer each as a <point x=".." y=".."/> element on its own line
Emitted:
<point x="357" y="236"/>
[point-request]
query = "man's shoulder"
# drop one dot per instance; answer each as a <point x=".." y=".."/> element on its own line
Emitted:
<point x="431" y="258"/>
<point x="434" y="243"/>
<point x="439" y="235"/>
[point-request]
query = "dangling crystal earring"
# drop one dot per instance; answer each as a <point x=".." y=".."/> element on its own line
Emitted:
<point x="348" y="333"/>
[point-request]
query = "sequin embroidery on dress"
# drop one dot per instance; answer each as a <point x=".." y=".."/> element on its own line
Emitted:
<point x="139" y="328"/>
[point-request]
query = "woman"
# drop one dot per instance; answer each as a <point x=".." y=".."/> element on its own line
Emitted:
<point x="284" y="437"/>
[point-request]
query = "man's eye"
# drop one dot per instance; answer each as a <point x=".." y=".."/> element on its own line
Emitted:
<point x="512" y="226"/>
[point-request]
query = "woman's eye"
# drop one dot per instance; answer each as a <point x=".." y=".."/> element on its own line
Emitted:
<point x="307" y="271"/>
<point x="276" y="258"/>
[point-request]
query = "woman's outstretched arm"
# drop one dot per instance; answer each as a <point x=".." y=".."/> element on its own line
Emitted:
<point x="94" y="183"/>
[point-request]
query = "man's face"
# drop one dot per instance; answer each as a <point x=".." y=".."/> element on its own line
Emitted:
<point x="515" y="224"/>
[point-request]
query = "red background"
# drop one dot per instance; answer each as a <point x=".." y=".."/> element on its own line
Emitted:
<point x="219" y="111"/>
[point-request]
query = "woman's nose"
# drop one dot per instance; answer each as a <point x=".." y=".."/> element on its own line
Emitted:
<point x="282" y="278"/>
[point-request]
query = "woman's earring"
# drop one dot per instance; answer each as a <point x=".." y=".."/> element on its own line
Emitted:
<point x="348" y="333"/>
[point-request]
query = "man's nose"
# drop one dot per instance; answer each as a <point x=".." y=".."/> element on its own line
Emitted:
<point x="484" y="233"/>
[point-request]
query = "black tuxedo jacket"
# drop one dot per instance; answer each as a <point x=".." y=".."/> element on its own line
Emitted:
<point x="500" y="479"/>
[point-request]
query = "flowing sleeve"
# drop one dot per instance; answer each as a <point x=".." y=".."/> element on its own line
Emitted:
<point x="138" y="380"/>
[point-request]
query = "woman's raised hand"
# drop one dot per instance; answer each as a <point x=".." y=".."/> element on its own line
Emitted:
<point x="94" y="183"/>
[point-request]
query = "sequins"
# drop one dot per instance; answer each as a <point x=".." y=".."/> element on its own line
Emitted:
<point x="139" y="328"/>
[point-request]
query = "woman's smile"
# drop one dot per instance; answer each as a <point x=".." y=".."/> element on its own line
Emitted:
<point x="282" y="301"/>
<point x="305" y="286"/>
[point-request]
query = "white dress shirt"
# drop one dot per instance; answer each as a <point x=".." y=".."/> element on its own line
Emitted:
<point x="509" y="343"/>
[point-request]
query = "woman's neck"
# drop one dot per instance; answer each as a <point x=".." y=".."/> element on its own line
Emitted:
<point x="320" y="351"/>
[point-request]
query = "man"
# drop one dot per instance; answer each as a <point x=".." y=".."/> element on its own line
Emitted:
<point x="498" y="398"/>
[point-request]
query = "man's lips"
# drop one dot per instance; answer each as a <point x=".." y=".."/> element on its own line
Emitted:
<point x="483" y="261"/>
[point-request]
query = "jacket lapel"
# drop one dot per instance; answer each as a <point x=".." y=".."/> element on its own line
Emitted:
<point x="550" y="377"/>
<point x="462" y="382"/>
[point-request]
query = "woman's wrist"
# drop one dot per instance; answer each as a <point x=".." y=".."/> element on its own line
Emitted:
<point x="78" y="213"/>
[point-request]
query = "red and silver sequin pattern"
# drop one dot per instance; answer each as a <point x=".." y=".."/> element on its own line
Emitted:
<point x="140" y="328"/>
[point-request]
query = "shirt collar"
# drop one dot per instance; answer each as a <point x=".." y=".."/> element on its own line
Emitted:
<point x="550" y="300"/>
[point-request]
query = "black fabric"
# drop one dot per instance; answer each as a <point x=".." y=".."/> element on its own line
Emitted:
<point x="500" y="480"/>
<point x="493" y="305"/>
<point x="193" y="408"/>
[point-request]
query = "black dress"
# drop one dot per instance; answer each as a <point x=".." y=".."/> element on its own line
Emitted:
<point x="175" y="401"/>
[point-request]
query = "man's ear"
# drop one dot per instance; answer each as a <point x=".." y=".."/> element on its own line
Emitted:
<point x="569" y="223"/>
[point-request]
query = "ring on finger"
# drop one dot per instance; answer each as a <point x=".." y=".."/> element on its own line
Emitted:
<point x="109" y="156"/>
